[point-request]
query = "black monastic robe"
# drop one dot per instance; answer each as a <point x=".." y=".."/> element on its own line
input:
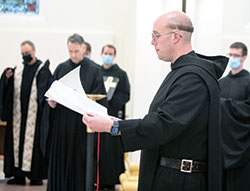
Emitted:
<point x="38" y="165"/>
<point x="116" y="106"/>
<point x="67" y="134"/>
<point x="183" y="122"/>
<point x="235" y="103"/>
<point x="111" y="152"/>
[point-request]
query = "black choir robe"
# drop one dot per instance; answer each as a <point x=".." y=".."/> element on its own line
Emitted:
<point x="43" y="79"/>
<point x="116" y="106"/>
<point x="235" y="103"/>
<point x="111" y="152"/>
<point x="183" y="122"/>
<point x="67" y="134"/>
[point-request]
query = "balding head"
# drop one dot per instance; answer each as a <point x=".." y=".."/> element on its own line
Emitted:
<point x="177" y="20"/>
<point x="172" y="35"/>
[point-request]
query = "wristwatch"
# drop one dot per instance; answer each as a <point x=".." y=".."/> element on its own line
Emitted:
<point x="115" y="129"/>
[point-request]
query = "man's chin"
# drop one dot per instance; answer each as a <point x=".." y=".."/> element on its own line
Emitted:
<point x="75" y="61"/>
<point x="160" y="57"/>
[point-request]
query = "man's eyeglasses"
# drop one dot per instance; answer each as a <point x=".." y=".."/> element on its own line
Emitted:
<point x="234" y="55"/>
<point x="156" y="36"/>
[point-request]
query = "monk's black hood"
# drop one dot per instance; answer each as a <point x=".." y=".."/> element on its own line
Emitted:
<point x="219" y="63"/>
<point x="214" y="65"/>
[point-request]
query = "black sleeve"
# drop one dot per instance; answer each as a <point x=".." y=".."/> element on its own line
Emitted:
<point x="56" y="72"/>
<point x="172" y="117"/>
<point x="44" y="80"/>
<point x="235" y="126"/>
<point x="6" y="97"/>
<point x="237" y="109"/>
<point x="1" y="95"/>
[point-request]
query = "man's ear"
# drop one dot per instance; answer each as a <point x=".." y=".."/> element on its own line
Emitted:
<point x="176" y="37"/>
<point x="244" y="58"/>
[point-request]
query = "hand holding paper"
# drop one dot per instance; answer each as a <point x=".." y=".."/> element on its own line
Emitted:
<point x="52" y="103"/>
<point x="68" y="91"/>
<point x="97" y="123"/>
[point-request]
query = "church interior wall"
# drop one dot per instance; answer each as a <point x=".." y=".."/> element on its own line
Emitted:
<point x="127" y="25"/>
<point x="99" y="22"/>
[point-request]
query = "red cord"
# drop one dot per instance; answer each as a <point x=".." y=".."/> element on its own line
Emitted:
<point x="98" y="153"/>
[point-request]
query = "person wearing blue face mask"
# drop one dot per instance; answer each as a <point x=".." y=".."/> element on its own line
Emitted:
<point x="107" y="60"/>
<point x="235" y="121"/>
<point x="118" y="94"/>
<point x="234" y="63"/>
<point x="108" y="55"/>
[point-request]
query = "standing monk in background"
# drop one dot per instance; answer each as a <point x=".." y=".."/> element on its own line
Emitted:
<point x="118" y="93"/>
<point x="22" y="99"/>
<point x="235" y="119"/>
<point x="67" y="134"/>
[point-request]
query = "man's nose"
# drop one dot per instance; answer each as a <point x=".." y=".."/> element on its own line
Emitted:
<point x="153" y="42"/>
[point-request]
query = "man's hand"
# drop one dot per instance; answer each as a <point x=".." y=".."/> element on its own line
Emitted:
<point x="97" y="123"/>
<point x="52" y="103"/>
<point x="8" y="73"/>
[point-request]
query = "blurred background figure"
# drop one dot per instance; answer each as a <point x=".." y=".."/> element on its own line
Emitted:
<point x="88" y="52"/>
<point x="23" y="100"/>
<point x="88" y="49"/>
<point x="67" y="134"/>
<point x="118" y="94"/>
<point x="235" y="102"/>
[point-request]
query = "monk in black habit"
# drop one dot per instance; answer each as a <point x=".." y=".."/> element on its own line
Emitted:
<point x="235" y="102"/>
<point x="180" y="136"/>
<point x="22" y="102"/>
<point x="67" y="134"/>
<point x="118" y="92"/>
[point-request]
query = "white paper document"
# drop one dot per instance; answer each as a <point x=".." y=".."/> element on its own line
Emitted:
<point x="68" y="91"/>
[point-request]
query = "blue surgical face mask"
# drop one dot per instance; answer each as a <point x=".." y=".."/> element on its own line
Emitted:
<point x="107" y="59"/>
<point x="234" y="63"/>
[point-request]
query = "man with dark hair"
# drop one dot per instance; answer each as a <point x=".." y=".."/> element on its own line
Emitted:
<point x="88" y="49"/>
<point x="109" y="46"/>
<point x="118" y="93"/>
<point x="235" y="103"/>
<point x="117" y="96"/>
<point x="180" y="136"/>
<point x="240" y="45"/>
<point x="22" y="100"/>
<point x="67" y="137"/>
<point x="88" y="53"/>
<point x="30" y="43"/>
